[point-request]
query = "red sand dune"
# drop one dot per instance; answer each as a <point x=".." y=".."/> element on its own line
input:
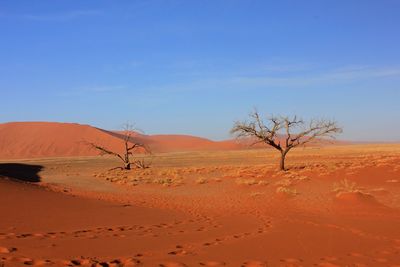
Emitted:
<point x="179" y="142"/>
<point x="48" y="139"/>
<point x="51" y="139"/>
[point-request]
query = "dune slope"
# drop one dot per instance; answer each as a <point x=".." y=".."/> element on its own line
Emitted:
<point x="52" y="139"/>
<point x="49" y="139"/>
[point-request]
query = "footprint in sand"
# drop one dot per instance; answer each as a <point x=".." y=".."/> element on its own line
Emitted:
<point x="76" y="262"/>
<point x="254" y="264"/>
<point x="132" y="263"/>
<point x="329" y="259"/>
<point x="172" y="264"/>
<point x="327" y="264"/>
<point x="24" y="235"/>
<point x="20" y="259"/>
<point x="5" y="250"/>
<point x="290" y="262"/>
<point x="213" y="263"/>
<point x="178" y="252"/>
<point x="37" y="262"/>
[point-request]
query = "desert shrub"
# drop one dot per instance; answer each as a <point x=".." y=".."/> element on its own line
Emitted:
<point x="286" y="190"/>
<point x="201" y="181"/>
<point x="163" y="181"/>
<point x="262" y="182"/>
<point x="251" y="181"/>
<point x="167" y="181"/>
<point x="142" y="163"/>
<point x="345" y="186"/>
<point x="284" y="182"/>
<point x="256" y="194"/>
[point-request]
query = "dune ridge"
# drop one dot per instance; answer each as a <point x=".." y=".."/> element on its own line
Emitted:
<point x="54" y="139"/>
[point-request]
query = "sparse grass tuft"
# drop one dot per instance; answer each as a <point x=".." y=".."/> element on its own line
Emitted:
<point x="286" y="190"/>
<point x="256" y="194"/>
<point x="284" y="182"/>
<point x="167" y="181"/>
<point x="262" y="182"/>
<point x="345" y="186"/>
<point x="243" y="181"/>
<point x="201" y="181"/>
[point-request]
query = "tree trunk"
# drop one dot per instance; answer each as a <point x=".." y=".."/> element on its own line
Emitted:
<point x="127" y="166"/>
<point x="282" y="162"/>
<point x="127" y="161"/>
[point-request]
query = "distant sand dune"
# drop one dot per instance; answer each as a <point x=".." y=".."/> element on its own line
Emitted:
<point x="53" y="139"/>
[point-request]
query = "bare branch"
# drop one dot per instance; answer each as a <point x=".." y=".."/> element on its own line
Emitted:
<point x="105" y="151"/>
<point x="130" y="145"/>
<point x="258" y="129"/>
<point x="284" y="128"/>
<point x="316" y="129"/>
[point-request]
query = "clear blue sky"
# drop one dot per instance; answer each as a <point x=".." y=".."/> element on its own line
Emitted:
<point x="194" y="67"/>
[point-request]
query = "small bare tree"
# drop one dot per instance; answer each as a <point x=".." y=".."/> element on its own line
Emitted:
<point x="278" y="132"/>
<point x="130" y="146"/>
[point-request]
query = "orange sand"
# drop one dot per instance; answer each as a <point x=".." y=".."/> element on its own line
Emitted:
<point x="229" y="208"/>
<point x="51" y="139"/>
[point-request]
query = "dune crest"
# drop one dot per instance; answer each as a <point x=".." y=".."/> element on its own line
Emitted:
<point x="53" y="139"/>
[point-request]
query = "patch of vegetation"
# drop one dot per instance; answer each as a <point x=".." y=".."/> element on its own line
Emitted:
<point x="346" y="186"/>
<point x="252" y="181"/>
<point x="286" y="190"/>
<point x="167" y="181"/>
<point x="201" y="181"/>
<point x="284" y="182"/>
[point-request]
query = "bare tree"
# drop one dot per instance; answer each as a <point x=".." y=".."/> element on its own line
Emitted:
<point x="278" y="132"/>
<point x="130" y="147"/>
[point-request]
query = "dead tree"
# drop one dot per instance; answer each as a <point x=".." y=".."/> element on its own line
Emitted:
<point x="130" y="146"/>
<point x="278" y="132"/>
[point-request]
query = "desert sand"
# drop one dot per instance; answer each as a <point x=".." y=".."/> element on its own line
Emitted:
<point x="336" y="206"/>
<point x="51" y="139"/>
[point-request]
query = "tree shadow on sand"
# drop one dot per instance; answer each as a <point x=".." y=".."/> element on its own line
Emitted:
<point x="20" y="172"/>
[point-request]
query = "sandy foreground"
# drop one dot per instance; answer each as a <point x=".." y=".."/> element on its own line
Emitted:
<point x="336" y="206"/>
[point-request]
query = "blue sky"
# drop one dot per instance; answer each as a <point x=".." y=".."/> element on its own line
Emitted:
<point x="194" y="67"/>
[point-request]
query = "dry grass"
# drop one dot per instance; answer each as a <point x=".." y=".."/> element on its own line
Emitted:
<point x="286" y="190"/>
<point x="167" y="181"/>
<point x="247" y="167"/>
<point x="250" y="181"/>
<point x="256" y="194"/>
<point x="346" y="186"/>
<point x="201" y="181"/>
<point x="284" y="182"/>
